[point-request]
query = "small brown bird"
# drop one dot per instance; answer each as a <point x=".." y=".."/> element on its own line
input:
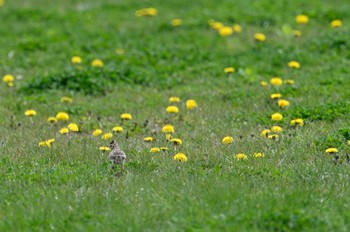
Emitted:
<point x="117" y="156"/>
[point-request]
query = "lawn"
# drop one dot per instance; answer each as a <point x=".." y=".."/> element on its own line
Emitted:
<point x="230" y="176"/>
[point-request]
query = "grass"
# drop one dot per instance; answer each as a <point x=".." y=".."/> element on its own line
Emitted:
<point x="71" y="187"/>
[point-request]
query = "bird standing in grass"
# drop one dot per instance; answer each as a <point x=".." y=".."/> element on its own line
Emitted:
<point x="117" y="156"/>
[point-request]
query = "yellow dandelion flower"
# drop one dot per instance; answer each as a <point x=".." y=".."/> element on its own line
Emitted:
<point x="172" y="109"/>
<point x="225" y="31"/>
<point x="283" y="103"/>
<point x="174" y="100"/>
<point x="62" y="116"/>
<point x="302" y="19"/>
<point x="229" y="70"/>
<point x="348" y="142"/>
<point x="258" y="155"/>
<point x="148" y="139"/>
<point x="176" y="22"/>
<point x="119" y="51"/>
<point x="336" y="23"/>
<point x="332" y="150"/>
<point x="50" y="141"/>
<point x="107" y="136"/>
<point x="154" y="150"/>
<point x="191" y="104"/>
<point x="104" y="148"/>
<point x="276" y="117"/>
<point x="52" y="120"/>
<point x="97" y="132"/>
<point x="273" y="136"/>
<point x="64" y="130"/>
<point x="217" y="25"/>
<point x="276" y="81"/>
<point x="73" y="127"/>
<point x="276" y="129"/>
<point x="176" y="141"/>
<point x="265" y="132"/>
<point x="294" y="64"/>
<point x="8" y="78"/>
<point x="264" y="83"/>
<point x="297" y="122"/>
<point x="180" y="157"/>
<point x="276" y="96"/>
<point x="227" y="140"/>
<point x="2" y="2"/>
<point x="168" y="137"/>
<point x="289" y="82"/>
<point x="240" y="156"/>
<point x="260" y="37"/>
<point x="146" y="12"/>
<point x="66" y="99"/>
<point x="237" y="28"/>
<point x="168" y="129"/>
<point x="126" y="116"/>
<point x="30" y="113"/>
<point x="76" y="60"/>
<point x="97" y="63"/>
<point x="44" y="144"/>
<point x="297" y="33"/>
<point x="117" y="129"/>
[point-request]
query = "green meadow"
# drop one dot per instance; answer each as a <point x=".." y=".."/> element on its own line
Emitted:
<point x="229" y="176"/>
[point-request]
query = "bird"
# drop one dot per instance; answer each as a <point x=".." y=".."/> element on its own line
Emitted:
<point x="116" y="155"/>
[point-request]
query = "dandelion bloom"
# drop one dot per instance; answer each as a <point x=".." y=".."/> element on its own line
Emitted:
<point x="44" y="144"/>
<point x="283" y="103"/>
<point x="64" y="130"/>
<point x="336" y="23"/>
<point x="148" y="139"/>
<point x="260" y="37"/>
<point x="97" y="63"/>
<point x="297" y="122"/>
<point x="172" y="109"/>
<point x="332" y="150"/>
<point x="117" y="129"/>
<point x="62" y="116"/>
<point x="73" y="127"/>
<point x="276" y="117"/>
<point x="52" y="120"/>
<point x="8" y="78"/>
<point x="66" y="99"/>
<point x="229" y="70"/>
<point x="104" y="148"/>
<point x="154" y="149"/>
<point x="176" y="141"/>
<point x="146" y="12"/>
<point x="302" y="19"/>
<point x="276" y="96"/>
<point x="163" y="148"/>
<point x="273" y="136"/>
<point x="191" y="104"/>
<point x="217" y="25"/>
<point x="297" y="33"/>
<point x="225" y="31"/>
<point x="30" y="113"/>
<point x="176" y="22"/>
<point x="168" y="129"/>
<point x="348" y="142"/>
<point x="107" y="136"/>
<point x="289" y="82"/>
<point x="227" y="140"/>
<point x="276" y="129"/>
<point x="237" y="28"/>
<point x="264" y="83"/>
<point x="240" y="156"/>
<point x="50" y="141"/>
<point x="180" y="157"/>
<point x="276" y="81"/>
<point x="119" y="51"/>
<point x="168" y="137"/>
<point x="294" y="64"/>
<point x="76" y="60"/>
<point x="174" y="100"/>
<point x="97" y="132"/>
<point x="258" y="155"/>
<point x="126" y="116"/>
<point x="265" y="132"/>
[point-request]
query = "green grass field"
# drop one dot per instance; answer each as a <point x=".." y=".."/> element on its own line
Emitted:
<point x="70" y="186"/>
